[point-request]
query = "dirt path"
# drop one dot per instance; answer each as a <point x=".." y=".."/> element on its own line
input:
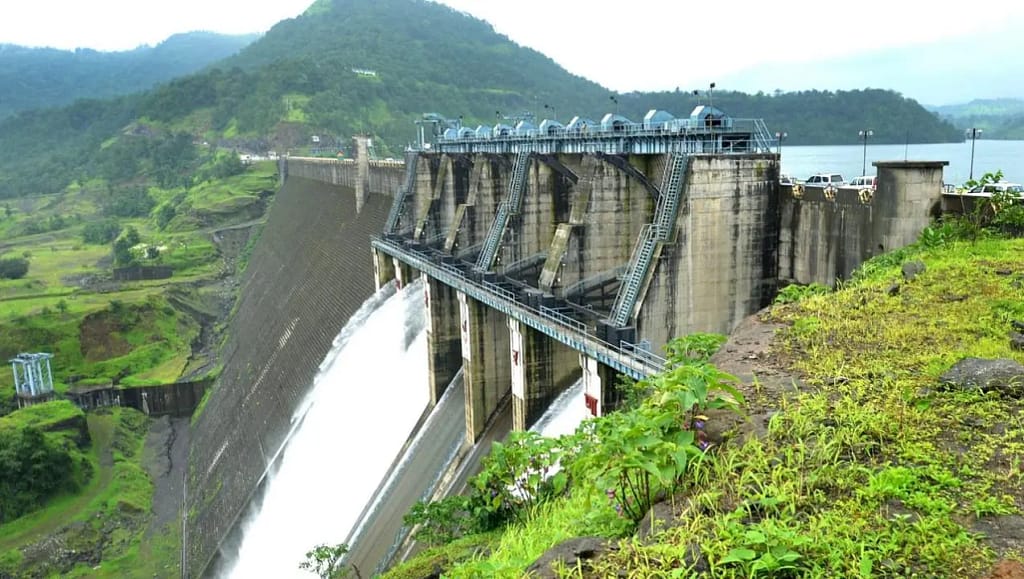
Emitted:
<point x="46" y="522"/>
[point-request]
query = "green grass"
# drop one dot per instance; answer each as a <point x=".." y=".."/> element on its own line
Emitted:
<point x="42" y="416"/>
<point x="118" y="498"/>
<point x="65" y="508"/>
<point x="871" y="469"/>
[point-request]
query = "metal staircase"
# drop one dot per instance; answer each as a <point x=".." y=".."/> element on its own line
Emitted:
<point x="403" y="192"/>
<point x="651" y="236"/>
<point x="763" y="137"/>
<point x="507" y="208"/>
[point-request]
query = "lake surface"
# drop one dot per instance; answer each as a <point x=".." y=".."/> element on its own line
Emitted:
<point x="802" y="162"/>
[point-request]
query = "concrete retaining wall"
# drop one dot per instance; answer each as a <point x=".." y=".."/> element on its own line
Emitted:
<point x="722" y="265"/>
<point x="178" y="399"/>
<point x="309" y="272"/>
<point x="383" y="177"/>
<point x="824" y="238"/>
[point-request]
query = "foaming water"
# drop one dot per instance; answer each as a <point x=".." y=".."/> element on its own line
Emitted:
<point x="368" y="396"/>
<point x="564" y="414"/>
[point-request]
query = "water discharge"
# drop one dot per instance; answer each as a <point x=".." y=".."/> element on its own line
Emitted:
<point x="564" y="414"/>
<point x="369" y="394"/>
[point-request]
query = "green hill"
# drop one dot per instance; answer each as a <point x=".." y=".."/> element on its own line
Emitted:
<point x="33" y="78"/>
<point x="999" y="118"/>
<point x="348" y="66"/>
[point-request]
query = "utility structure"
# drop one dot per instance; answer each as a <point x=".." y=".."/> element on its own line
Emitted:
<point x="779" y="137"/>
<point x="972" y="134"/>
<point x="33" y="378"/>
<point x="864" y="135"/>
<point x="554" y="252"/>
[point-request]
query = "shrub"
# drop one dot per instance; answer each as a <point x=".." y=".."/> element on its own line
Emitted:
<point x="13" y="268"/>
<point x="101" y="232"/>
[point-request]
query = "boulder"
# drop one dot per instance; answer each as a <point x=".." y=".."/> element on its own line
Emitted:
<point x="570" y="552"/>
<point x="1017" y="340"/>
<point x="1000" y="375"/>
<point x="912" y="269"/>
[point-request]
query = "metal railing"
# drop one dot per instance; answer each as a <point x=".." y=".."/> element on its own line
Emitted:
<point x="623" y="357"/>
<point x="510" y="206"/>
<point x="659" y="231"/>
<point x="403" y="192"/>
<point x="718" y="137"/>
<point x="765" y="139"/>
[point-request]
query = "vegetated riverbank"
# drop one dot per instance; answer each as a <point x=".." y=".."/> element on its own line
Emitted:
<point x="856" y="452"/>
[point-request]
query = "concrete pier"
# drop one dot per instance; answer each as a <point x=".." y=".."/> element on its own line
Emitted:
<point x="541" y="369"/>
<point x="443" y="335"/>
<point x="485" y="362"/>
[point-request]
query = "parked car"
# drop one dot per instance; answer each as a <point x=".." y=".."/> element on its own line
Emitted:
<point x="865" y="182"/>
<point x="786" y="180"/>
<point x="824" y="180"/>
<point x="1001" y="187"/>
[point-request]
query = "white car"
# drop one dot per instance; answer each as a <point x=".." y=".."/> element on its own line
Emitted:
<point x="865" y="182"/>
<point x="1001" y="187"/>
<point x="824" y="180"/>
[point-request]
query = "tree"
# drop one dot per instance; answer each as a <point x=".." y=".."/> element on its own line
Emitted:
<point x="101" y="232"/>
<point x="325" y="561"/>
<point x="62" y="307"/>
<point x="123" y="245"/>
<point x="32" y="467"/>
<point x="13" y="268"/>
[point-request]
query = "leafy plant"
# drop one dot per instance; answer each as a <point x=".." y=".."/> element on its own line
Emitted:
<point x="768" y="551"/>
<point x="518" y="474"/>
<point x="636" y="456"/>
<point x="796" y="292"/>
<point x="694" y="348"/>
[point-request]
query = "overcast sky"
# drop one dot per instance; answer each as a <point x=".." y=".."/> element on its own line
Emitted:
<point x="684" y="44"/>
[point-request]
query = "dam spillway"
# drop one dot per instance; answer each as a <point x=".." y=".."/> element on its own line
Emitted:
<point x="368" y="396"/>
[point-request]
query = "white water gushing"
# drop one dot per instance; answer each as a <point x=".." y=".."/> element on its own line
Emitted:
<point x="368" y="396"/>
<point x="565" y="413"/>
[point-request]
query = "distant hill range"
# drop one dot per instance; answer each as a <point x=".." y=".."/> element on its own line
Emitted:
<point x="375" y="66"/>
<point x="998" y="118"/>
<point x="33" y="78"/>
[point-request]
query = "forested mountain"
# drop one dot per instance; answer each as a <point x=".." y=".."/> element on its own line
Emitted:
<point x="374" y="66"/>
<point x="998" y="118"/>
<point x="32" y="78"/>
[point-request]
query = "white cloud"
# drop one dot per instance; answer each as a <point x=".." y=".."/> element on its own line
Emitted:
<point x="634" y="45"/>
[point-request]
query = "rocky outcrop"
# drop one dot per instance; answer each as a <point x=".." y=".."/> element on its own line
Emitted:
<point x="989" y="375"/>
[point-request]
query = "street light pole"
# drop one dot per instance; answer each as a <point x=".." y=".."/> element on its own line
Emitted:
<point x="864" y="134"/>
<point x="616" y="101"/>
<point x="778" y="143"/>
<point x="973" y="133"/>
<point x="554" y="115"/>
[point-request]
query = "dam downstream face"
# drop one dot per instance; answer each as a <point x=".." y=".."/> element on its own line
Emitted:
<point x="367" y="397"/>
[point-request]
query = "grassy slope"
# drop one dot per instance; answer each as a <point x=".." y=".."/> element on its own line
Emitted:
<point x="109" y="511"/>
<point x="870" y="470"/>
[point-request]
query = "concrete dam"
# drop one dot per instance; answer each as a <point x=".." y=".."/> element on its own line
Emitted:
<point x="546" y="258"/>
